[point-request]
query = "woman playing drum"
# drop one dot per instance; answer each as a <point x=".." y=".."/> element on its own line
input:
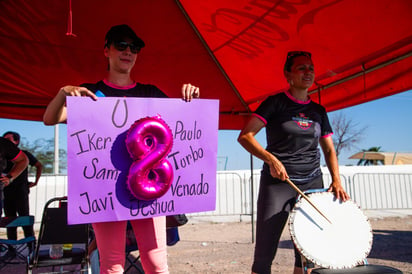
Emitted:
<point x="295" y="126"/>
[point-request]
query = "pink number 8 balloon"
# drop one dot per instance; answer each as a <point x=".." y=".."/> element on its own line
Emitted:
<point x="148" y="141"/>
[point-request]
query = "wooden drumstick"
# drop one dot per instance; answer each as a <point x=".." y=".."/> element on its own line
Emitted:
<point x="306" y="198"/>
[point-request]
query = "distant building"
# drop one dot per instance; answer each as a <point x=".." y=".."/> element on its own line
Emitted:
<point x="388" y="158"/>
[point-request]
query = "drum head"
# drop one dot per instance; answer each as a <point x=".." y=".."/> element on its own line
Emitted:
<point x="343" y="243"/>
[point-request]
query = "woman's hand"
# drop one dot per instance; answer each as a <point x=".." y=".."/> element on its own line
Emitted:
<point x="189" y="91"/>
<point x="277" y="170"/>
<point x="77" y="91"/>
<point x="337" y="189"/>
<point x="5" y="181"/>
<point x="56" y="110"/>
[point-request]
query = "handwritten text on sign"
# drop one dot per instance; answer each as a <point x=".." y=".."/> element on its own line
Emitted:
<point x="98" y="160"/>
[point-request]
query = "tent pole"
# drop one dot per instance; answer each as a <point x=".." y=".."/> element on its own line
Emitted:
<point x="56" y="150"/>
<point x="363" y="72"/>
<point x="252" y="198"/>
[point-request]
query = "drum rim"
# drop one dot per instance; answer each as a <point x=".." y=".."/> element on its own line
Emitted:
<point x="311" y="258"/>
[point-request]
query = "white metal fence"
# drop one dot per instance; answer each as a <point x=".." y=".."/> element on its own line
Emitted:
<point x="370" y="189"/>
<point x="382" y="190"/>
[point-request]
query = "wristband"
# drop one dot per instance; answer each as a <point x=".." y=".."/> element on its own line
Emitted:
<point x="10" y="178"/>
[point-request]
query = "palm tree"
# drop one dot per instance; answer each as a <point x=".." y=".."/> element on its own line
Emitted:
<point x="369" y="162"/>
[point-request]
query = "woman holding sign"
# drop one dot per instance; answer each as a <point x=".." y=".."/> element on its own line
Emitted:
<point x="121" y="48"/>
<point x="295" y="126"/>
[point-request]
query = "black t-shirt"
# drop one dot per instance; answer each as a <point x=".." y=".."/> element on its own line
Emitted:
<point x="293" y="129"/>
<point x="106" y="89"/>
<point x="22" y="179"/>
<point x="8" y="152"/>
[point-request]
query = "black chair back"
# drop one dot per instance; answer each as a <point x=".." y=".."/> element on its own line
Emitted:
<point x="54" y="229"/>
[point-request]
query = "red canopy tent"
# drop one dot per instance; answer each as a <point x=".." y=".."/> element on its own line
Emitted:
<point x="233" y="49"/>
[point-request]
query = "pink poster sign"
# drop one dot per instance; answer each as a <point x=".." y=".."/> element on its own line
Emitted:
<point x="99" y="162"/>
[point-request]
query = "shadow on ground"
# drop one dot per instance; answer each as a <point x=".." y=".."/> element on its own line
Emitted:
<point x="392" y="245"/>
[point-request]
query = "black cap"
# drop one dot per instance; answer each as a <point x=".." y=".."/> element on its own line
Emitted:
<point x="120" y="32"/>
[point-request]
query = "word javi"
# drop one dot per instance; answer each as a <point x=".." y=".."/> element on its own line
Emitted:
<point x="96" y="205"/>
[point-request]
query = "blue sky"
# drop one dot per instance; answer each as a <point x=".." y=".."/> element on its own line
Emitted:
<point x="388" y="123"/>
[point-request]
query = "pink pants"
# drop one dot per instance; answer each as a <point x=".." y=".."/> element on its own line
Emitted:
<point x="151" y="241"/>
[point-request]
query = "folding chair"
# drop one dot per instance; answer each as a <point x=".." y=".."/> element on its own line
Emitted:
<point x="20" y="245"/>
<point x="55" y="230"/>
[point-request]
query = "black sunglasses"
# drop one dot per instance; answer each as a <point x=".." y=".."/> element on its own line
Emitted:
<point x="292" y="54"/>
<point x="121" y="46"/>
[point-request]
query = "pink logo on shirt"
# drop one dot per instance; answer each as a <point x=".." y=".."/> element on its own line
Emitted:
<point x="302" y="121"/>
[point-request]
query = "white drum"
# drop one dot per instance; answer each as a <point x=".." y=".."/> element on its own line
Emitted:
<point x="343" y="243"/>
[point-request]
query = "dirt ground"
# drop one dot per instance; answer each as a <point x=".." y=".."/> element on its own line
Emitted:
<point x="226" y="247"/>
